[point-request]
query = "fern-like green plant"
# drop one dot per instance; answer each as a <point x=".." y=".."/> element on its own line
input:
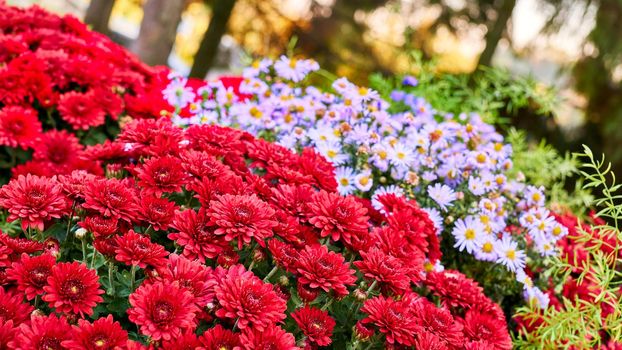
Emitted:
<point x="581" y="323"/>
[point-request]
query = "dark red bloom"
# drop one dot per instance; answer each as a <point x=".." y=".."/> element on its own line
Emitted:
<point x="137" y="250"/>
<point x="250" y="301"/>
<point x="162" y="175"/>
<point x="187" y="341"/>
<point x="218" y="338"/>
<point x="338" y="217"/>
<point x="273" y="337"/>
<point x="315" y="324"/>
<point x="195" y="236"/>
<point x="33" y="199"/>
<point x="13" y="308"/>
<point x="100" y="226"/>
<point x="60" y="149"/>
<point x="163" y="310"/>
<point x="157" y="212"/>
<point x="80" y="110"/>
<point x="31" y="273"/>
<point x="389" y="271"/>
<point x="392" y="318"/>
<point x="19" y="126"/>
<point x="284" y="254"/>
<point x="320" y="269"/>
<point x="487" y="328"/>
<point x="73" y="288"/>
<point x="242" y="218"/>
<point x="192" y="275"/>
<point x="42" y="332"/>
<point x="438" y="321"/>
<point x="110" y="197"/>
<point x="103" y="334"/>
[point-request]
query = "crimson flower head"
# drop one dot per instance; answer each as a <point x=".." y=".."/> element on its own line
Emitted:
<point x="241" y="218"/>
<point x="315" y="324"/>
<point x="191" y="274"/>
<point x="389" y="271"/>
<point x="249" y="300"/>
<point x="103" y="334"/>
<point x="438" y="321"/>
<point x="12" y="307"/>
<point x="110" y="198"/>
<point x="42" y="332"/>
<point x="338" y="217"/>
<point x="157" y="212"/>
<point x="273" y="337"/>
<point x="162" y="175"/>
<point x="19" y="126"/>
<point x="33" y="199"/>
<point x="138" y="250"/>
<point x="195" y="236"/>
<point x="392" y="318"/>
<point x="31" y="273"/>
<point x="162" y="310"/>
<point x="319" y="268"/>
<point x="218" y="338"/>
<point x="80" y="110"/>
<point x="73" y="288"/>
<point x="487" y="328"/>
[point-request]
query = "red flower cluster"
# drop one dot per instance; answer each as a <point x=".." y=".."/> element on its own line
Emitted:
<point x="198" y="238"/>
<point x="57" y="74"/>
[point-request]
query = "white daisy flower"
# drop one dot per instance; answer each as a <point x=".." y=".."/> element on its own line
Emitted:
<point x="332" y="151"/>
<point x="364" y="181"/>
<point x="345" y="180"/>
<point x="468" y="233"/>
<point x="443" y="195"/>
<point x="509" y="255"/>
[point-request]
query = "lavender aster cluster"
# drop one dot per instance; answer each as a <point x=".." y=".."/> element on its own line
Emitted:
<point x="456" y="166"/>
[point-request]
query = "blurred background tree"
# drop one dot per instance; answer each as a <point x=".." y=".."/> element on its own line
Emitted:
<point x="575" y="45"/>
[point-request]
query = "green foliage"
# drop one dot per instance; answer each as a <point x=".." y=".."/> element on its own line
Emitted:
<point x="580" y="323"/>
<point x="493" y="93"/>
<point x="543" y="165"/>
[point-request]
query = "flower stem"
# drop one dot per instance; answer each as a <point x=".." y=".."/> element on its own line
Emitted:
<point x="250" y="267"/>
<point x="84" y="251"/>
<point x="133" y="277"/>
<point x="371" y="288"/>
<point x="93" y="258"/>
<point x="328" y="304"/>
<point x="270" y="274"/>
<point x="110" y="278"/>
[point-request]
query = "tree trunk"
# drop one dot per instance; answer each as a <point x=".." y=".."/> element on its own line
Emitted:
<point x="204" y="58"/>
<point x="495" y="32"/>
<point x="98" y="14"/>
<point x="157" y="30"/>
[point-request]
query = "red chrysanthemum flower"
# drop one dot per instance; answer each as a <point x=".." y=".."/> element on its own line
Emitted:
<point x="100" y="226"/>
<point x="42" y="332"/>
<point x="163" y="310"/>
<point x="249" y="300"/>
<point x="103" y="334"/>
<point x="320" y="269"/>
<point x="110" y="197"/>
<point x="218" y="338"/>
<point x="74" y="183"/>
<point x="157" y="212"/>
<point x="187" y="341"/>
<point x="58" y="148"/>
<point x="242" y="218"/>
<point x="284" y="254"/>
<point x="338" y="217"/>
<point x="273" y="337"/>
<point x="7" y="334"/>
<point x="204" y="165"/>
<point x="19" y="126"/>
<point x="437" y="321"/>
<point x="314" y="164"/>
<point x="73" y="288"/>
<point x="315" y="324"/>
<point x="80" y="110"/>
<point x="195" y="236"/>
<point x="33" y="199"/>
<point x="31" y="273"/>
<point x="13" y="308"/>
<point x="456" y="290"/>
<point x="162" y="175"/>
<point x="20" y="245"/>
<point x="392" y="318"/>
<point x="487" y="328"/>
<point x="293" y="199"/>
<point x="137" y="250"/>
<point x="192" y="275"/>
<point x="388" y="271"/>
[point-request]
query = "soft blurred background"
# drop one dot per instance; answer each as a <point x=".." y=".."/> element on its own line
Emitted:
<point x="575" y="46"/>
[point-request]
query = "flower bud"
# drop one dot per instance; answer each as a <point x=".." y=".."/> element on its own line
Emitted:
<point x="283" y="280"/>
<point x="362" y="332"/>
<point x="306" y="294"/>
<point x="259" y="255"/>
<point x="81" y="233"/>
<point x="360" y="295"/>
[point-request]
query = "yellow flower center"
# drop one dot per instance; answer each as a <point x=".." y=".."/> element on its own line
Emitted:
<point x="469" y="234"/>
<point x="344" y="181"/>
<point x="487" y="247"/>
<point x="331" y="153"/>
<point x="511" y="254"/>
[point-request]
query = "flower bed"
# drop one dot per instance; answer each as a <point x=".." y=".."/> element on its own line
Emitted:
<point x="61" y="85"/>
<point x="456" y="166"/>
<point x="193" y="247"/>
